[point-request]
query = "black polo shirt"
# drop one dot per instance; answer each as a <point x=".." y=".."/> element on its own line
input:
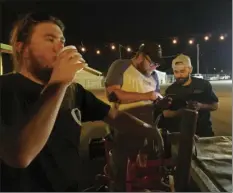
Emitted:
<point x="199" y="90"/>
<point x="57" y="166"/>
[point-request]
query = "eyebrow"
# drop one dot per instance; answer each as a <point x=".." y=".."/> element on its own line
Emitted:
<point x="52" y="35"/>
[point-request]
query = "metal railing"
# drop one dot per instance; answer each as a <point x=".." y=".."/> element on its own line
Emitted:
<point x="210" y="77"/>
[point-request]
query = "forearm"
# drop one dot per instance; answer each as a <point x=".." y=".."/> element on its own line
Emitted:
<point x="143" y="112"/>
<point x="130" y="97"/>
<point x="21" y="144"/>
<point x="133" y="127"/>
<point x="171" y="113"/>
<point x="128" y="124"/>
<point x="209" y="107"/>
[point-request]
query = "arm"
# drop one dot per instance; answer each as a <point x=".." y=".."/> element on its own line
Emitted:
<point x="211" y="100"/>
<point x="171" y="113"/>
<point x="133" y="127"/>
<point x="212" y="103"/>
<point x="90" y="104"/>
<point x="115" y="92"/>
<point x="209" y="107"/>
<point x="21" y="143"/>
<point x="127" y="124"/>
<point x="123" y="121"/>
<point x="114" y="82"/>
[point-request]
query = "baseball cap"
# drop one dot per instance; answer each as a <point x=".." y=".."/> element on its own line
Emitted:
<point x="153" y="50"/>
<point x="182" y="59"/>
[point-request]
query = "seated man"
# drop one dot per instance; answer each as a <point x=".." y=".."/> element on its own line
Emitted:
<point x="192" y="91"/>
<point x="132" y="83"/>
<point x="42" y="110"/>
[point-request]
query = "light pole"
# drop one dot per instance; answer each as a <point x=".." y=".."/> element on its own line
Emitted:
<point x="120" y="46"/>
<point x="198" y="58"/>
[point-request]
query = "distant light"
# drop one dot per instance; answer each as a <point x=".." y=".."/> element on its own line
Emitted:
<point x="159" y="46"/>
<point x="174" y="41"/>
<point x="214" y="68"/>
<point x="113" y="47"/>
<point x="129" y="49"/>
<point x="98" y="52"/>
<point x="221" y="37"/>
<point x="190" y="41"/>
<point x="206" y="38"/>
<point x="83" y="49"/>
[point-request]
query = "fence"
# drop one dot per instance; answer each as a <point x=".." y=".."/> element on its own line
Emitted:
<point x="210" y="77"/>
<point x="98" y="82"/>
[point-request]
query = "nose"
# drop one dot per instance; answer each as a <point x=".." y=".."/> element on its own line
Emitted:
<point x="58" y="46"/>
<point x="178" y="75"/>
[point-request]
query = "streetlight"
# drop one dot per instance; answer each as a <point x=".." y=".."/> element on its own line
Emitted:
<point x="83" y="49"/>
<point x="198" y="58"/>
<point x="206" y="38"/>
<point x="129" y="49"/>
<point x="190" y="41"/>
<point x="174" y="41"/>
<point x="98" y="52"/>
<point x="221" y="37"/>
<point x="113" y="47"/>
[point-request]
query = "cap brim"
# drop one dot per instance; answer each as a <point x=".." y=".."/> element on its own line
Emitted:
<point x="158" y="61"/>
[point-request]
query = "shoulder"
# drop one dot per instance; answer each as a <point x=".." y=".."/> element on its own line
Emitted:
<point x="170" y="89"/>
<point x="8" y="80"/>
<point x="201" y="83"/>
<point x="81" y="92"/>
<point x="120" y="65"/>
<point x="116" y="72"/>
<point x="77" y="88"/>
<point x="7" y="77"/>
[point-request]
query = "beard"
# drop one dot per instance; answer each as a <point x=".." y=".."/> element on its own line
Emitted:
<point x="140" y="68"/>
<point x="36" y="69"/>
<point x="182" y="81"/>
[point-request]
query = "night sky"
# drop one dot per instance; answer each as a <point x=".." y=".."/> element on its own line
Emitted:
<point x="97" y="24"/>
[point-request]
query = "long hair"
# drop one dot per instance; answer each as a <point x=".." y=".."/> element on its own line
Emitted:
<point x="22" y="32"/>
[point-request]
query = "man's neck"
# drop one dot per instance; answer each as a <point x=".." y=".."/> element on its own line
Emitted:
<point x="134" y="63"/>
<point x="29" y="75"/>
<point x="188" y="82"/>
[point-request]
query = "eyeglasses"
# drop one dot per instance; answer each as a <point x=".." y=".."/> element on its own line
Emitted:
<point x="151" y="62"/>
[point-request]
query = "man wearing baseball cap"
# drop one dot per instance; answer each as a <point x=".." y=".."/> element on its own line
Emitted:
<point x="132" y="83"/>
<point x="190" y="91"/>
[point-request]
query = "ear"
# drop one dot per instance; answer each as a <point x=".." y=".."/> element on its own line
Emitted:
<point x="20" y="46"/>
<point x="190" y="70"/>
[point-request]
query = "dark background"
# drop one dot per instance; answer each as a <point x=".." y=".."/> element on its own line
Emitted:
<point x="97" y="24"/>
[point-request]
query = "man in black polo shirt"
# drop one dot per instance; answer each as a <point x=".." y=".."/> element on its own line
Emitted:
<point x="42" y="110"/>
<point x="192" y="91"/>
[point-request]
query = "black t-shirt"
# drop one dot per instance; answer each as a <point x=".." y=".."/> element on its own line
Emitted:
<point x="199" y="90"/>
<point x="56" y="168"/>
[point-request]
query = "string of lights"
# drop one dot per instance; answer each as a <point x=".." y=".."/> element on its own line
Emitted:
<point x="174" y="41"/>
